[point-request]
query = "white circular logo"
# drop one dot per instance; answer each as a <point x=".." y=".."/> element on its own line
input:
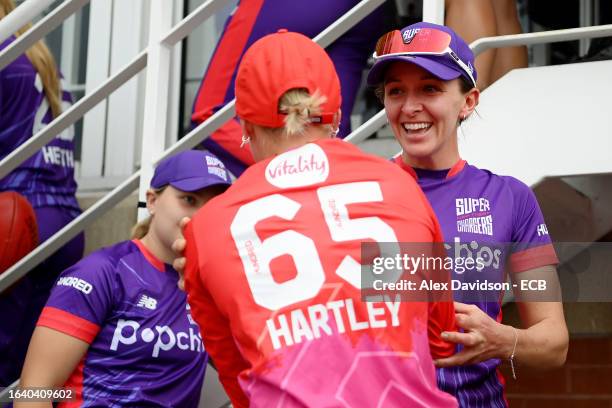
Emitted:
<point x="304" y="166"/>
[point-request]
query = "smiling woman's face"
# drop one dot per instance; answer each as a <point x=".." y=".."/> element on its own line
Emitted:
<point x="423" y="112"/>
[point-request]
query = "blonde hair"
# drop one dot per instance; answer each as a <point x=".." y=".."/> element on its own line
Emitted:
<point x="299" y="106"/>
<point x="141" y="229"/>
<point x="43" y="62"/>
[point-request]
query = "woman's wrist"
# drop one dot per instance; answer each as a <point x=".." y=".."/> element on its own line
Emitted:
<point x="509" y="342"/>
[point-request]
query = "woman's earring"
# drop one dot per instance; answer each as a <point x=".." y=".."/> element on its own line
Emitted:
<point x="245" y="140"/>
<point x="334" y="132"/>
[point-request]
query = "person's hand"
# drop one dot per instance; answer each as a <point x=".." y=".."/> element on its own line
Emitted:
<point x="483" y="338"/>
<point x="178" y="246"/>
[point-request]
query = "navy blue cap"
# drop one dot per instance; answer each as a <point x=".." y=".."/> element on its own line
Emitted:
<point x="191" y="170"/>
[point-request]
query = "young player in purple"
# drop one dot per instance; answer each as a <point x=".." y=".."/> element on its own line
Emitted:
<point x="253" y="19"/>
<point x="117" y="329"/>
<point x="31" y="96"/>
<point x="425" y="75"/>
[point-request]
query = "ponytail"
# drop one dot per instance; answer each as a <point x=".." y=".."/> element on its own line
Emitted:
<point x="141" y="229"/>
<point x="299" y="107"/>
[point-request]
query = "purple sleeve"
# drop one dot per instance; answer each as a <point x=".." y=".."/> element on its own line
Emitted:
<point x="532" y="246"/>
<point x="86" y="290"/>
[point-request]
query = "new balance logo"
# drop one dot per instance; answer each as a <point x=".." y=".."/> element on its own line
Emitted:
<point x="147" y="302"/>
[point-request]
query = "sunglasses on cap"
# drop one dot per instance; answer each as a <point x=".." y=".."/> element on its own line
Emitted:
<point x="429" y="41"/>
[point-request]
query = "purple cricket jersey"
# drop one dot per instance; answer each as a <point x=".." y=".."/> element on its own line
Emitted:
<point x="144" y="347"/>
<point x="498" y="216"/>
<point x="46" y="178"/>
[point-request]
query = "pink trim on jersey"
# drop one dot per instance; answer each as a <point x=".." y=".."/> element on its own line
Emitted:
<point x="68" y="323"/>
<point x="75" y="382"/>
<point x="153" y="260"/>
<point x="400" y="162"/>
<point x="533" y="258"/>
<point x="456" y="169"/>
<point x="502" y="381"/>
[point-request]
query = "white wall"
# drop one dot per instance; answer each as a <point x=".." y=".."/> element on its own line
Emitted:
<point x="544" y="121"/>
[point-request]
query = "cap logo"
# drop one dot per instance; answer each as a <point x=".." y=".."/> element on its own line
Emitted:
<point x="217" y="168"/>
<point x="299" y="167"/>
<point x="409" y="35"/>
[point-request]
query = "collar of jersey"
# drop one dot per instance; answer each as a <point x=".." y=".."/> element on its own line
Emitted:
<point x="456" y="169"/>
<point x="153" y="260"/>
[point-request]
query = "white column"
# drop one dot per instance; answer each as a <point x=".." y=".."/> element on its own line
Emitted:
<point x="175" y="83"/>
<point x="98" y="65"/>
<point x="123" y="113"/>
<point x="433" y="11"/>
<point x="156" y="96"/>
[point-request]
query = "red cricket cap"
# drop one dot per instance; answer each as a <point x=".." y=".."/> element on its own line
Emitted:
<point x="277" y="63"/>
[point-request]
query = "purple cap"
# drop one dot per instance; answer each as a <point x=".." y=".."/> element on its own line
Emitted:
<point x="191" y="170"/>
<point x="441" y="66"/>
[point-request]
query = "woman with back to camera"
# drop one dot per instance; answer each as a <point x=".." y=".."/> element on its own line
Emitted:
<point x="273" y="270"/>
<point x="116" y="329"/>
<point x="31" y="96"/>
<point x="425" y="76"/>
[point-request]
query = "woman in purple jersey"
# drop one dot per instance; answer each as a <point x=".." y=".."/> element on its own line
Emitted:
<point x="117" y="329"/>
<point x="31" y="96"/>
<point x="426" y="79"/>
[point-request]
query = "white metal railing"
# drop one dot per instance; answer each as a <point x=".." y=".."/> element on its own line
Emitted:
<point x="27" y="11"/>
<point x="483" y="44"/>
<point x="68" y="117"/>
<point x="21" y="268"/>
<point x="38" y="30"/>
